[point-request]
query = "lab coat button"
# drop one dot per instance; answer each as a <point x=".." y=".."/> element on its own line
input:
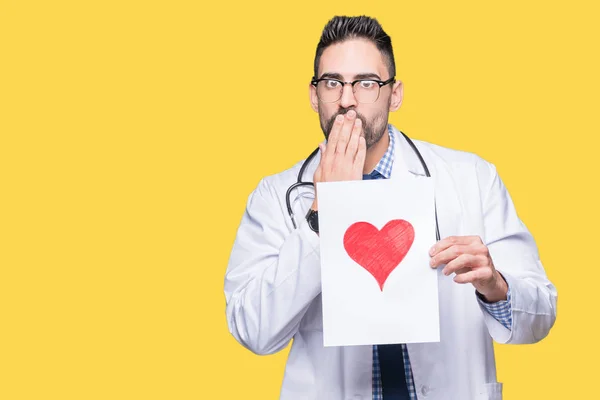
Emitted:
<point x="424" y="390"/>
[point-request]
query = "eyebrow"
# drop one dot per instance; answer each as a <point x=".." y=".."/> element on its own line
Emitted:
<point x="364" y="75"/>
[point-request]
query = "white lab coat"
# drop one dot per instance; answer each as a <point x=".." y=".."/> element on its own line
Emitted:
<point x="273" y="286"/>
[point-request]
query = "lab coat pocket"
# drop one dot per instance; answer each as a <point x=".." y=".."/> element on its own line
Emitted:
<point x="491" y="391"/>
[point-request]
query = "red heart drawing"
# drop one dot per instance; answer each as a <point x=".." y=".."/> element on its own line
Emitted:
<point x="379" y="251"/>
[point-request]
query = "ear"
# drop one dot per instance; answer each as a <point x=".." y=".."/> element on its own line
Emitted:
<point x="314" y="100"/>
<point x="397" y="95"/>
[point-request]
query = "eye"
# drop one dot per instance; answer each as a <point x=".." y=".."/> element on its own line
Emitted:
<point x="331" y="84"/>
<point x="367" y="84"/>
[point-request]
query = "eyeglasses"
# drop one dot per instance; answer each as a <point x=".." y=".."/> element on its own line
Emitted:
<point x="329" y="90"/>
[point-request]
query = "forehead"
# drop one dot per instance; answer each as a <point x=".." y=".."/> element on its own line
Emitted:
<point x="352" y="57"/>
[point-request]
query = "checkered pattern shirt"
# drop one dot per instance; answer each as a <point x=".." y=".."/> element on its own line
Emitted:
<point x="501" y="310"/>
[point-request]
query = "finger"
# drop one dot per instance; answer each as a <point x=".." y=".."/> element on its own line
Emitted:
<point x="451" y="241"/>
<point x="334" y="133"/>
<point x="449" y="254"/>
<point x="463" y="271"/>
<point x="479" y="248"/>
<point x="361" y="155"/>
<point x="469" y="261"/>
<point x="353" y="142"/>
<point x="470" y="277"/>
<point x="344" y="135"/>
<point x="332" y="139"/>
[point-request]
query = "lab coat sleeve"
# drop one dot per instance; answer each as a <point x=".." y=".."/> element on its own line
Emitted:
<point x="500" y="310"/>
<point x="272" y="276"/>
<point x="515" y="255"/>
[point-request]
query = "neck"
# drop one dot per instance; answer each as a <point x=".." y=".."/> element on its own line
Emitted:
<point x="375" y="152"/>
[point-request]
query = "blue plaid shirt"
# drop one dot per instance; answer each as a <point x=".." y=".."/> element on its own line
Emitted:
<point x="500" y="310"/>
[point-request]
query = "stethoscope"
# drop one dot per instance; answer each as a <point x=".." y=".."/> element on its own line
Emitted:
<point x="312" y="155"/>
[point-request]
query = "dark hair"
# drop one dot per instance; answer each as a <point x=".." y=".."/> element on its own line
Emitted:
<point x="342" y="28"/>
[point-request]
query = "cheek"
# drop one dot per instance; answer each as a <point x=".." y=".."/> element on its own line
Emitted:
<point x="382" y="111"/>
<point x="326" y="111"/>
<point x="383" y="103"/>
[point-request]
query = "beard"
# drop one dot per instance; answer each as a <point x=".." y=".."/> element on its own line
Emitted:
<point x="372" y="130"/>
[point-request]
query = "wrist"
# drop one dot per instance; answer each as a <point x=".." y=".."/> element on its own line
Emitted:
<point x="498" y="291"/>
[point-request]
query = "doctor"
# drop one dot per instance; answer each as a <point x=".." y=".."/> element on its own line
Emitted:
<point x="492" y="285"/>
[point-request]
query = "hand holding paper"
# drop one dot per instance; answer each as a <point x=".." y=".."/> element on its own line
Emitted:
<point x="470" y="259"/>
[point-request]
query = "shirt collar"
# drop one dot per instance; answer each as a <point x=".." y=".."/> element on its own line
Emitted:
<point x="384" y="166"/>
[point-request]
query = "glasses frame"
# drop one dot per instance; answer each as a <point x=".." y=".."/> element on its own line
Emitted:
<point x="315" y="82"/>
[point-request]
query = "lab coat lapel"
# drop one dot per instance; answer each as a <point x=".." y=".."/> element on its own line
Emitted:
<point x="446" y="195"/>
<point x="405" y="159"/>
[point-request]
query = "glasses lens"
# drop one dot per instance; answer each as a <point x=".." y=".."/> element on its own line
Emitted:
<point x="366" y="91"/>
<point x="329" y="91"/>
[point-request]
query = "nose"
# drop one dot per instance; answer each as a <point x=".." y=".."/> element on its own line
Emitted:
<point x="348" y="99"/>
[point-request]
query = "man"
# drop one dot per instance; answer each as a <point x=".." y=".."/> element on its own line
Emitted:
<point x="491" y="282"/>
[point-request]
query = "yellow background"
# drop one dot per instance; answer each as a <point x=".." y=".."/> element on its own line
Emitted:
<point x="132" y="133"/>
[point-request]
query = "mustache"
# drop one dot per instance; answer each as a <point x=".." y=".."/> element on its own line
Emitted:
<point x="331" y="120"/>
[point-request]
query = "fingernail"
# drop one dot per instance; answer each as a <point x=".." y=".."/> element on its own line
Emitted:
<point x="351" y="114"/>
<point x="339" y="118"/>
<point x="358" y="121"/>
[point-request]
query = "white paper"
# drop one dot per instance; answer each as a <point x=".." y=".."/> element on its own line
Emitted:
<point x="356" y="311"/>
